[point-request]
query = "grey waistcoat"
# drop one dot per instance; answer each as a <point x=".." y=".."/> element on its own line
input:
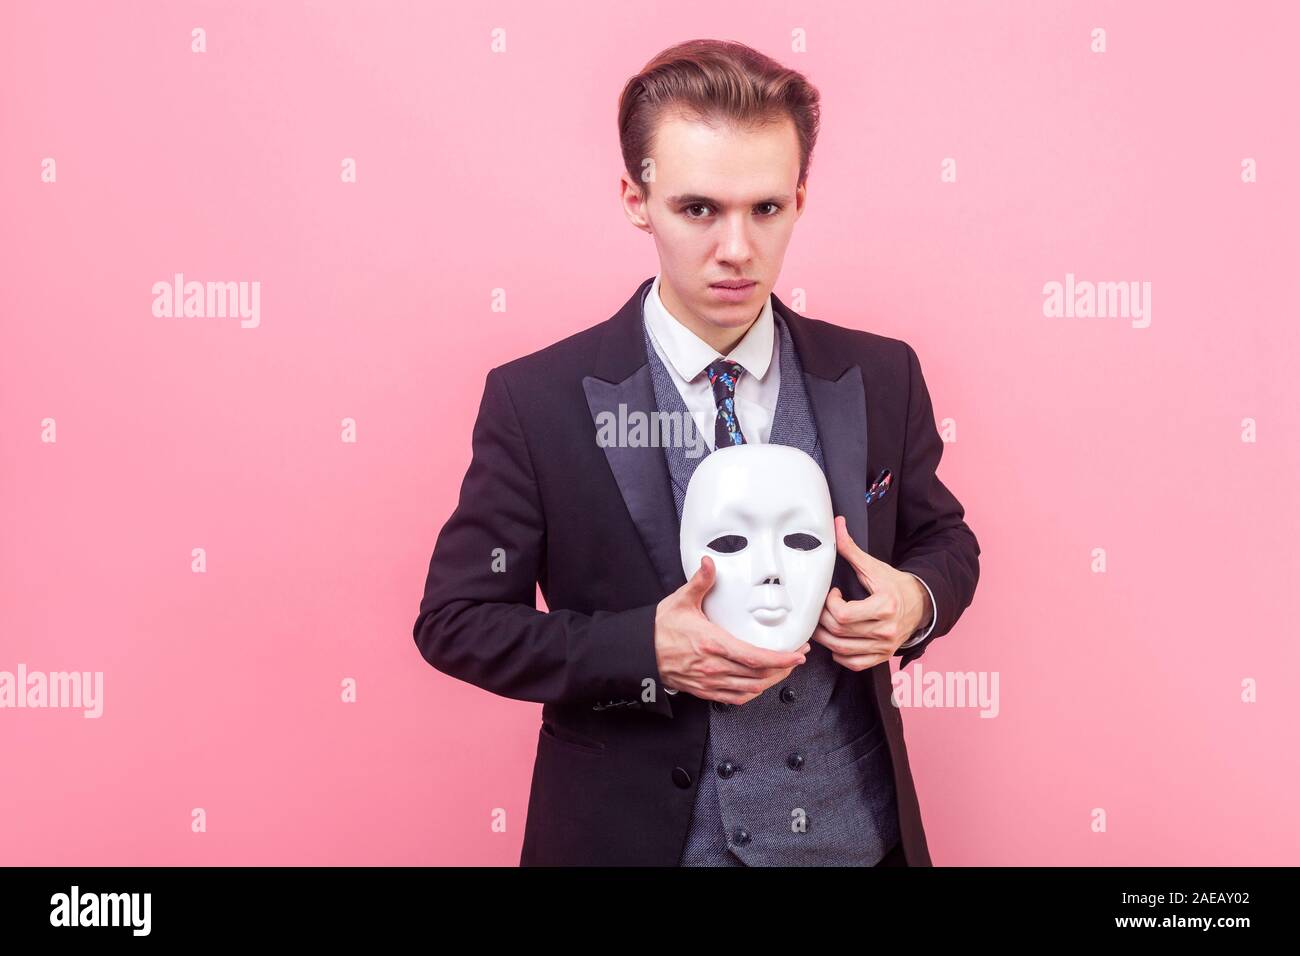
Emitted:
<point x="801" y="774"/>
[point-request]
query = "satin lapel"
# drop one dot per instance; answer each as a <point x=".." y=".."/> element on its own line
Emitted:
<point x="840" y="410"/>
<point x="622" y="378"/>
<point x="782" y="431"/>
<point x="641" y="472"/>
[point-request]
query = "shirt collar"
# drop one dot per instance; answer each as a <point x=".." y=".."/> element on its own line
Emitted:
<point x="690" y="355"/>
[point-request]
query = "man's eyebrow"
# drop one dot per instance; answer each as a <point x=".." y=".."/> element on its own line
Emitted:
<point x="689" y="199"/>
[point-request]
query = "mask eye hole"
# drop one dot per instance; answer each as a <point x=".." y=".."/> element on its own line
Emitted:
<point x="728" y="543"/>
<point x="802" y="542"/>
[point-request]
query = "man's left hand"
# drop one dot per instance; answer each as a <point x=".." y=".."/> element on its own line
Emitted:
<point x="862" y="634"/>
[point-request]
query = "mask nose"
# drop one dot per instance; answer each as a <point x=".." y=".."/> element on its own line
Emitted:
<point x="767" y="562"/>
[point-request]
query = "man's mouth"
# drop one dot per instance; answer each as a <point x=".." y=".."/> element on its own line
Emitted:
<point x="733" y="291"/>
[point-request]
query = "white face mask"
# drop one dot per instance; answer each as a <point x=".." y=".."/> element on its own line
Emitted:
<point x="763" y="514"/>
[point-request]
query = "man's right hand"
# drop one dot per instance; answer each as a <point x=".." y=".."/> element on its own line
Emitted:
<point x="697" y="656"/>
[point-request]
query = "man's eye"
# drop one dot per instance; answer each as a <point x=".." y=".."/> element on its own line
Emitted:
<point x="802" y="542"/>
<point x="695" y="205"/>
<point x="775" y="208"/>
<point x="728" y="543"/>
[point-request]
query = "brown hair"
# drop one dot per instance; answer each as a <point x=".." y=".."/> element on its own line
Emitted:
<point x="714" y="79"/>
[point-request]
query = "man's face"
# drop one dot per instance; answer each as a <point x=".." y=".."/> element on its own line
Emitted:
<point x="722" y="208"/>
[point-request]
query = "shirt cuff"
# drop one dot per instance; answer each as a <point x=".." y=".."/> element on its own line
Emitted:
<point x="918" y="637"/>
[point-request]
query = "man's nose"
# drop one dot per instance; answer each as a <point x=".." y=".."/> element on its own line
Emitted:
<point x="735" y="244"/>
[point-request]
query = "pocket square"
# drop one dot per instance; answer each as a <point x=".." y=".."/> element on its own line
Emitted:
<point x="880" y="487"/>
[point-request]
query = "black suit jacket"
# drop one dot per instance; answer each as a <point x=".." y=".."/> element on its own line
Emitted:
<point x="543" y="503"/>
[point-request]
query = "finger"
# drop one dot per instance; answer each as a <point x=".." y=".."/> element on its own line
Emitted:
<point x="728" y="655"/>
<point x="860" y="662"/>
<point x="729" y="690"/>
<point x="727" y="697"/>
<point x="700" y="583"/>
<point x="704" y="692"/>
<point x="844" y="612"/>
<point x="850" y="645"/>
<point x="759" y="658"/>
<point x="733" y="670"/>
<point x="737" y="685"/>
<point x="828" y="622"/>
<point x="730" y="668"/>
<point x="750" y="687"/>
<point x="861" y="562"/>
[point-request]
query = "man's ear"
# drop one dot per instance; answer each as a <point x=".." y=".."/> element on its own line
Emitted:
<point x="634" y="202"/>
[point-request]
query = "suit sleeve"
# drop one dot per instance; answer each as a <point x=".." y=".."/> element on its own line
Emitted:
<point x="933" y="540"/>
<point x="478" y="619"/>
<point x="924" y="632"/>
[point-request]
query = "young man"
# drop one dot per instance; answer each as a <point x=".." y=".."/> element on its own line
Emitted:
<point x="664" y="739"/>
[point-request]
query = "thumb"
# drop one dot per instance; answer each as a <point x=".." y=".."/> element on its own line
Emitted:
<point x="700" y="583"/>
<point x="863" y="563"/>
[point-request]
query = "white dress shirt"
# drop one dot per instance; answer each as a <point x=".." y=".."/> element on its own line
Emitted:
<point x="686" y="356"/>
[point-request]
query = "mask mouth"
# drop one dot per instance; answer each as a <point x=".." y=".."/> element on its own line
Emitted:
<point x="769" y="604"/>
<point x="769" y="616"/>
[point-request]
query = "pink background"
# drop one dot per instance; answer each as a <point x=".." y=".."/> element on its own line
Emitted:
<point x="479" y="170"/>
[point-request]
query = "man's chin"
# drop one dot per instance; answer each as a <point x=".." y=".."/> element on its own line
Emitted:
<point x="731" y="315"/>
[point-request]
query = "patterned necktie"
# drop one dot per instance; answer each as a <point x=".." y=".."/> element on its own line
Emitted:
<point x="723" y="376"/>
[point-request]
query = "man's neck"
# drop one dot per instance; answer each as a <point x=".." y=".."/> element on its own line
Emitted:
<point x="720" y="340"/>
